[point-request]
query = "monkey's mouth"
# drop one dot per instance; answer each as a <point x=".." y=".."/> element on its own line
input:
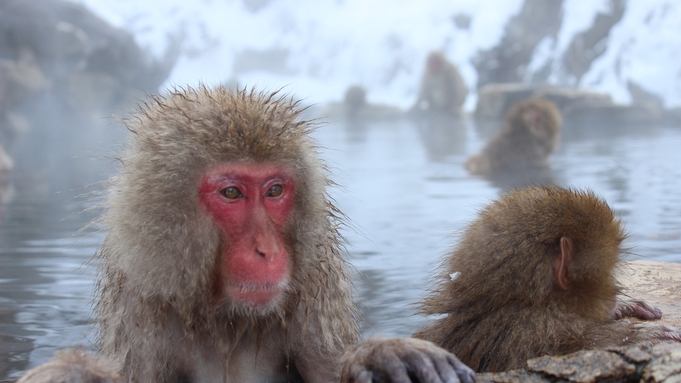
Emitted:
<point x="256" y="294"/>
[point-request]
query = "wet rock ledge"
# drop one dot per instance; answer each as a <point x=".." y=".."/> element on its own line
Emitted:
<point x="658" y="283"/>
<point x="659" y="363"/>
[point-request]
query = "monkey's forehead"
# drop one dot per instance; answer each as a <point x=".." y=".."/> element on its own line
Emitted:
<point x="221" y="123"/>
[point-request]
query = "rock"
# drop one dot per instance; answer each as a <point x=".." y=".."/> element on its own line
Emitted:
<point x="603" y="365"/>
<point x="507" y="61"/>
<point x="640" y="96"/>
<point x="590" y="44"/>
<point x="656" y="364"/>
<point x="665" y="366"/>
<point x="611" y="114"/>
<point x="535" y="28"/>
<point x="564" y="98"/>
<point x="494" y="100"/>
<point x="576" y="106"/>
<point x="672" y="116"/>
<point x="78" y="54"/>
<point x="356" y="107"/>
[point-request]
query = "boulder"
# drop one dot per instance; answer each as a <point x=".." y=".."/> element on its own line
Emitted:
<point x="650" y="364"/>
<point x="494" y="100"/>
<point x="576" y="105"/>
<point x="88" y="63"/>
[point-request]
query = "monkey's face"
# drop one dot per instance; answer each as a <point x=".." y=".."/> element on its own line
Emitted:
<point x="434" y="64"/>
<point x="535" y="121"/>
<point x="250" y="204"/>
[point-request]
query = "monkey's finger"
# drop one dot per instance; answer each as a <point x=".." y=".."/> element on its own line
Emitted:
<point x="463" y="372"/>
<point x="423" y="366"/>
<point x="644" y="311"/>
<point x="446" y="370"/>
<point x="363" y="376"/>
<point x="397" y="369"/>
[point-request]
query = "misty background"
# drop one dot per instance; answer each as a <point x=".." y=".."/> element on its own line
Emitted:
<point x="70" y="69"/>
<point x="317" y="48"/>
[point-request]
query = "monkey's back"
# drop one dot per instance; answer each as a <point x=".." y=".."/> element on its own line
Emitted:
<point x="497" y="292"/>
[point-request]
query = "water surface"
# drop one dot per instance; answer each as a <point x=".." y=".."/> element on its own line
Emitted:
<point x="402" y="185"/>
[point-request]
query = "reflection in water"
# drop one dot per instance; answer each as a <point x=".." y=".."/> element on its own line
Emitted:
<point x="356" y="130"/>
<point x="522" y="178"/>
<point x="45" y="286"/>
<point x="442" y="135"/>
<point x="402" y="184"/>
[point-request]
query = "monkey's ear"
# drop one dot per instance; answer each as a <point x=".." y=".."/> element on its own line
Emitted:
<point x="562" y="263"/>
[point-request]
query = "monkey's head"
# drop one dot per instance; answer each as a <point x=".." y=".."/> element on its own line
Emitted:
<point x="539" y="120"/>
<point x="435" y="62"/>
<point x="355" y="97"/>
<point x="541" y="245"/>
<point x="221" y="199"/>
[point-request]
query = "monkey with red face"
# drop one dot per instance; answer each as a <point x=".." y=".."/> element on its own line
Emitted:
<point x="222" y="260"/>
<point x="442" y="88"/>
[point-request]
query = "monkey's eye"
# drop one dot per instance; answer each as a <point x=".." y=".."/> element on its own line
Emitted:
<point x="231" y="192"/>
<point x="275" y="191"/>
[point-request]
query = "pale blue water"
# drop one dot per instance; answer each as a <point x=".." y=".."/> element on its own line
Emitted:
<point x="403" y="187"/>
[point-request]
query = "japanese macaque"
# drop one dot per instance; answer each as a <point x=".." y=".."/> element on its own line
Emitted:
<point x="535" y="274"/>
<point x="356" y="107"/>
<point x="530" y="133"/>
<point x="223" y="260"/>
<point x="73" y="366"/>
<point x="442" y="88"/>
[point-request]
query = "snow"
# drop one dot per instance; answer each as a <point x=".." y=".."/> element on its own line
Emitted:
<point x="381" y="44"/>
<point x="645" y="48"/>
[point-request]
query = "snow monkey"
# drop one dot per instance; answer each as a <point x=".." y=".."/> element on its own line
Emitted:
<point x="442" y="89"/>
<point x="530" y="133"/>
<point x="535" y="274"/>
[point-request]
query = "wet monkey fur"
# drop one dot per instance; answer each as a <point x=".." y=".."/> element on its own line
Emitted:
<point x="223" y="259"/>
<point x="442" y="89"/>
<point x="535" y="274"/>
<point x="530" y="133"/>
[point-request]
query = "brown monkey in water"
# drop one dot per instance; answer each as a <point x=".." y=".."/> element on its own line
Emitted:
<point x="223" y="260"/>
<point x="531" y="132"/>
<point x="355" y="107"/>
<point x="535" y="274"/>
<point x="442" y="89"/>
<point x="73" y="366"/>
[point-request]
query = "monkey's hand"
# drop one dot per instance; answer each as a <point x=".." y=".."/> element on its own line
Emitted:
<point x="402" y="360"/>
<point x="653" y="333"/>
<point x="635" y="308"/>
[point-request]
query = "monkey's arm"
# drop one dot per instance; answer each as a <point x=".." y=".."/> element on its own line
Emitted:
<point x="396" y="360"/>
